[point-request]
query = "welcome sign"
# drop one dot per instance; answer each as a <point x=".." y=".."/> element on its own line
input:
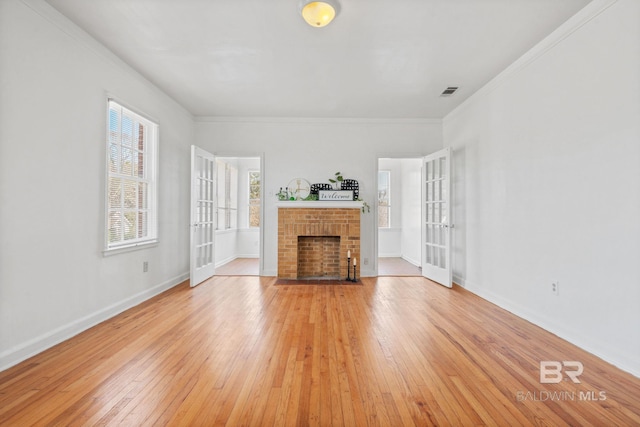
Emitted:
<point x="335" y="195"/>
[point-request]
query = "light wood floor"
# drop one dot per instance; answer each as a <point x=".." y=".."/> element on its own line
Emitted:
<point x="244" y="351"/>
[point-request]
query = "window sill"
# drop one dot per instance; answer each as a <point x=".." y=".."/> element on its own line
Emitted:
<point x="129" y="248"/>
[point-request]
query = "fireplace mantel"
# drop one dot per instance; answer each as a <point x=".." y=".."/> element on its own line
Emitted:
<point x="319" y="204"/>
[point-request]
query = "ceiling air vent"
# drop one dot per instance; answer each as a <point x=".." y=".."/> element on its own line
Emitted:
<point x="449" y="91"/>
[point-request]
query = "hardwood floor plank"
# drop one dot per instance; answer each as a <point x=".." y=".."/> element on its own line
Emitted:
<point x="245" y="351"/>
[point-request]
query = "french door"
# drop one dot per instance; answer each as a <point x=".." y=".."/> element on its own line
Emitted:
<point x="203" y="215"/>
<point x="436" y="216"/>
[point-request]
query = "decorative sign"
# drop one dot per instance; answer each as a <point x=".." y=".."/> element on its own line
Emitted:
<point x="335" y="195"/>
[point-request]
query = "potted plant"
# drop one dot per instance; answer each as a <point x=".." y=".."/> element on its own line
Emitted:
<point x="336" y="180"/>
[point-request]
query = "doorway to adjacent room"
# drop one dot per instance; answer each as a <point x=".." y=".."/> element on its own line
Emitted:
<point x="399" y="225"/>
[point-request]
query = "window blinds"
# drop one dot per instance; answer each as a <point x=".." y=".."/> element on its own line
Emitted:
<point x="131" y="178"/>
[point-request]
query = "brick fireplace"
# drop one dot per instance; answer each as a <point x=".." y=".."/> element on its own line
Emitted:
<point x="314" y="237"/>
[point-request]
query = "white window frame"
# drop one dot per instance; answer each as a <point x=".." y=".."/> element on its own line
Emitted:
<point x="147" y="178"/>
<point x="249" y="199"/>
<point x="388" y="206"/>
<point x="227" y="196"/>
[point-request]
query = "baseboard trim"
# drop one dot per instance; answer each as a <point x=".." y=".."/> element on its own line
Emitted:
<point x="459" y="281"/>
<point x="411" y="261"/>
<point x="225" y="261"/>
<point x="22" y="352"/>
<point x="623" y="361"/>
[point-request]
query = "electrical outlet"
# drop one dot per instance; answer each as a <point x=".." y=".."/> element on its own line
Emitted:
<point x="145" y="266"/>
<point x="366" y="261"/>
<point x="555" y="287"/>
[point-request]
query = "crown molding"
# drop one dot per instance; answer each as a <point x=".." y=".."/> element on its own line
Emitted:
<point x="319" y="120"/>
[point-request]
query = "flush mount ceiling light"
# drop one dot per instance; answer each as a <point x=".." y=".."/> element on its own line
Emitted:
<point x="318" y="13"/>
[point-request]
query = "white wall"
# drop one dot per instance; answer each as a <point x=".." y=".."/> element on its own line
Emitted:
<point x="315" y="149"/>
<point x="225" y="246"/>
<point x="248" y="243"/>
<point x="54" y="279"/>
<point x="547" y="185"/>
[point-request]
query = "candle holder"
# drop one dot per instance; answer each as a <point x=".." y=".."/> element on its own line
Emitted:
<point x="349" y="279"/>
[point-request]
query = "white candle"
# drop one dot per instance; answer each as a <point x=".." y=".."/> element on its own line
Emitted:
<point x="349" y="253"/>
<point x="354" y="261"/>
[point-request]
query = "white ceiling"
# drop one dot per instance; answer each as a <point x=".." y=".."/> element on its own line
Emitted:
<point x="378" y="59"/>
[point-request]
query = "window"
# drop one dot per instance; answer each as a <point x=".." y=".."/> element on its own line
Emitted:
<point x="254" y="198"/>
<point x="384" y="198"/>
<point x="227" y="196"/>
<point x="131" y="179"/>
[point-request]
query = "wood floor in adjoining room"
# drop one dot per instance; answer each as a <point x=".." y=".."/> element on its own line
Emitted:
<point x="245" y="351"/>
<point x="240" y="267"/>
<point x="396" y="266"/>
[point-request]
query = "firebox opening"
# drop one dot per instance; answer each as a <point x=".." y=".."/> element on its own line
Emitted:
<point x="319" y="257"/>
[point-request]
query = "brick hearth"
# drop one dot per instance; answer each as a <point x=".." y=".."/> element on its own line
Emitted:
<point x="319" y="222"/>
